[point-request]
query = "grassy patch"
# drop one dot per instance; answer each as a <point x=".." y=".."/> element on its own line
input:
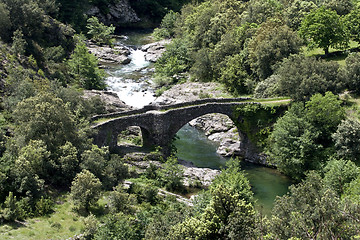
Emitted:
<point x="334" y="54"/>
<point x="62" y="224"/>
<point x="352" y="104"/>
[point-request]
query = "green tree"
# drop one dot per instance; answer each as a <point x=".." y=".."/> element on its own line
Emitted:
<point x="9" y="212"/>
<point x="296" y="12"/>
<point x="175" y="60"/>
<point x="5" y="23"/>
<point x="115" y="172"/>
<point x="259" y="11"/>
<point x="234" y="75"/>
<point x="167" y="26"/>
<point x="164" y="220"/>
<point x="26" y="180"/>
<point x="310" y="211"/>
<point x="352" y="190"/>
<point x="120" y="201"/>
<point x="325" y="114"/>
<point x="19" y="44"/>
<point x="323" y="28"/>
<point x="171" y="175"/>
<point x="293" y="143"/>
<point x="68" y="163"/>
<point x="352" y="71"/>
<point x="84" y="66"/>
<point x="85" y="190"/>
<point x="46" y="117"/>
<point x="119" y="226"/>
<point x="98" y="32"/>
<point x="95" y="160"/>
<point x="339" y="173"/>
<point x="301" y="139"/>
<point x="352" y="23"/>
<point x="342" y="7"/>
<point x="267" y="88"/>
<point x="300" y="77"/>
<point x="37" y="156"/>
<point x="347" y="139"/>
<point x="229" y="214"/>
<point x="272" y="42"/>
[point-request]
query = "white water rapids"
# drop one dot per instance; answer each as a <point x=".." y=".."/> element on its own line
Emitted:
<point x="132" y="82"/>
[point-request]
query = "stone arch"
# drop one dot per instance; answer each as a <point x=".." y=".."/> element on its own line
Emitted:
<point x="159" y="125"/>
<point x="192" y="113"/>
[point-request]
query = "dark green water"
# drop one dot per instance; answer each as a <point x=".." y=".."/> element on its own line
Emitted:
<point x="266" y="183"/>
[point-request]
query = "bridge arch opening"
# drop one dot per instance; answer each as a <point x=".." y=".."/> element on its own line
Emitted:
<point x="217" y="128"/>
<point x="135" y="136"/>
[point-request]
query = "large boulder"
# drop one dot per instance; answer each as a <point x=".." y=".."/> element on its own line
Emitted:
<point x="108" y="55"/>
<point x="111" y="100"/>
<point x="153" y="51"/>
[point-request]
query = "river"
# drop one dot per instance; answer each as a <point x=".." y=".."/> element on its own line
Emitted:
<point x="267" y="183"/>
<point x="131" y="83"/>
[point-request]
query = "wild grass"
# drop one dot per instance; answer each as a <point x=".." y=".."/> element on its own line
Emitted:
<point x="351" y="104"/>
<point x="62" y="224"/>
<point x="334" y="54"/>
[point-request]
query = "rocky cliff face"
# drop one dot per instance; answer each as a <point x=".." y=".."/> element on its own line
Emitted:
<point x="118" y="14"/>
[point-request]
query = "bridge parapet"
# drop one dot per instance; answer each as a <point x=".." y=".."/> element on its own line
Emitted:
<point x="167" y="107"/>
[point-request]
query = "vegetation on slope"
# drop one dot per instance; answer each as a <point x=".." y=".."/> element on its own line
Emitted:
<point x="49" y="167"/>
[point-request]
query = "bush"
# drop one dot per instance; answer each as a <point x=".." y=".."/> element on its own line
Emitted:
<point x="84" y="66"/>
<point x="85" y="190"/>
<point x="98" y="32"/>
<point x="171" y="174"/>
<point x="300" y="77"/>
<point x="167" y="26"/>
<point x="267" y="88"/>
<point x="144" y="192"/>
<point x="43" y="206"/>
<point x="352" y="71"/>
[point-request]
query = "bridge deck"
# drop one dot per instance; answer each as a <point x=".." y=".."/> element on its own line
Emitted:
<point x="100" y="119"/>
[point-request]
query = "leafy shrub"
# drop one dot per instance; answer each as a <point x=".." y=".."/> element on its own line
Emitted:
<point x="84" y="66"/>
<point x="167" y="26"/>
<point x="171" y="174"/>
<point x="98" y="32"/>
<point x="144" y="192"/>
<point x="267" y="88"/>
<point x="43" y="206"/>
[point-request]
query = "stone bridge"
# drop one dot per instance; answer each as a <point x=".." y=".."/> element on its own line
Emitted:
<point x="159" y="124"/>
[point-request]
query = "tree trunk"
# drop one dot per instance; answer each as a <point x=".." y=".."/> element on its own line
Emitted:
<point x="326" y="50"/>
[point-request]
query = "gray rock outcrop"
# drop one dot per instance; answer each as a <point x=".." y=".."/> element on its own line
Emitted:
<point x="194" y="175"/>
<point x="108" y="55"/>
<point x="153" y="51"/>
<point x="118" y="14"/>
<point x="111" y="100"/>
<point x="219" y="128"/>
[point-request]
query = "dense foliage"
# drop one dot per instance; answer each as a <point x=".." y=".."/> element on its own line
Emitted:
<point x="242" y="43"/>
<point x="252" y="47"/>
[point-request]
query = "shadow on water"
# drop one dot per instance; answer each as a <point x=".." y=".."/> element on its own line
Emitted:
<point x="266" y="183"/>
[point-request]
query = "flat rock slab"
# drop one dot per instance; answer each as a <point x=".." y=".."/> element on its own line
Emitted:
<point x="108" y="55"/>
<point x="111" y="100"/>
<point x="154" y="51"/>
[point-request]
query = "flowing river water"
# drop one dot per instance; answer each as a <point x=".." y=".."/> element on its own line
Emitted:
<point x="131" y="82"/>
